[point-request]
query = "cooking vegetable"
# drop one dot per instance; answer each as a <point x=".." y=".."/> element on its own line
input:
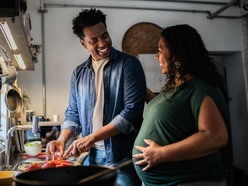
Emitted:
<point x="59" y="162"/>
<point x="34" y="166"/>
<point x="48" y="164"/>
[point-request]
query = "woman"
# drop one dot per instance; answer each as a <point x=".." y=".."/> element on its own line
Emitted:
<point x="185" y="126"/>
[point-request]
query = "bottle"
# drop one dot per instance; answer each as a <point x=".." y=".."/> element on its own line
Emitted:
<point x="29" y="115"/>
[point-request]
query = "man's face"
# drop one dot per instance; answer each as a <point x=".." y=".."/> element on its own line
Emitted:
<point x="97" y="41"/>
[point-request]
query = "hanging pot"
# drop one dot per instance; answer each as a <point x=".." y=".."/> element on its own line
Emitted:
<point x="13" y="101"/>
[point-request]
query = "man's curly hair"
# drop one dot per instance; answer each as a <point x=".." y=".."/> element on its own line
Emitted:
<point x="87" y="18"/>
<point x="186" y="47"/>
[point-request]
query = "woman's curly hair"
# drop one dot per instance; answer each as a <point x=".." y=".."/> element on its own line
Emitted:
<point x="188" y="55"/>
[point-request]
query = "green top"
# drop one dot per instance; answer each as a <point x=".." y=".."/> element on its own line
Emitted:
<point x="167" y="122"/>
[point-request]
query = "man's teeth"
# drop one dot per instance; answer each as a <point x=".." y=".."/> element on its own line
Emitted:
<point x="103" y="50"/>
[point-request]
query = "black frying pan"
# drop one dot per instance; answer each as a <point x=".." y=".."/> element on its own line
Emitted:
<point x="71" y="175"/>
<point x="67" y="176"/>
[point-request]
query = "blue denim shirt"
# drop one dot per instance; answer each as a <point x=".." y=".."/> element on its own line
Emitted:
<point x="124" y="96"/>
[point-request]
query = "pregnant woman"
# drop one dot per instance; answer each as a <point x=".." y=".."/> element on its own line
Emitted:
<point x="185" y="126"/>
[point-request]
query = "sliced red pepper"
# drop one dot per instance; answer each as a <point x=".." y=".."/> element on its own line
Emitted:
<point x="48" y="164"/>
<point x="34" y="166"/>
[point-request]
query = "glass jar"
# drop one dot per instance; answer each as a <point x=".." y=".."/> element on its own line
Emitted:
<point x="29" y="115"/>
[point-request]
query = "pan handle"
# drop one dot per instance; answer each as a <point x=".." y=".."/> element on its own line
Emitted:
<point x="89" y="178"/>
<point x="82" y="157"/>
<point x="123" y="164"/>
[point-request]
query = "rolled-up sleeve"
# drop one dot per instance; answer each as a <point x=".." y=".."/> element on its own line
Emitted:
<point x="134" y="90"/>
<point x="123" y="125"/>
<point x="75" y="128"/>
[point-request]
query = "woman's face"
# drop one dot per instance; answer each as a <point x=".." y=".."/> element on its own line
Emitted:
<point x="163" y="55"/>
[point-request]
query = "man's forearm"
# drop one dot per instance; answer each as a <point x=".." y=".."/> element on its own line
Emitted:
<point x="65" y="135"/>
<point x="105" y="132"/>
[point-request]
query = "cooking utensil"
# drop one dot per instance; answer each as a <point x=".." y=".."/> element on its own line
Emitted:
<point x="65" y="176"/>
<point x="82" y="157"/>
<point x="11" y="75"/>
<point x="71" y="175"/>
<point x="13" y="99"/>
<point x="105" y="172"/>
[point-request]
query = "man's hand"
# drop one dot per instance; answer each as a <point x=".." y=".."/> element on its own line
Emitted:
<point x="59" y="144"/>
<point x="54" y="146"/>
<point x="80" y="145"/>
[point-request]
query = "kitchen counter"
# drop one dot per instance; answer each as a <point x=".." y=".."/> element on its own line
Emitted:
<point x="17" y="159"/>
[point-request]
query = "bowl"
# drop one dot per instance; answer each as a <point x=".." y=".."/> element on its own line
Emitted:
<point x="33" y="148"/>
<point x="6" y="178"/>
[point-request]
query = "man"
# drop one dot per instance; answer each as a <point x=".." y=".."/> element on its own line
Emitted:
<point x="106" y="101"/>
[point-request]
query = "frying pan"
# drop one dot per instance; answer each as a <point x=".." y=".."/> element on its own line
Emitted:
<point x="71" y="175"/>
<point x="65" y="176"/>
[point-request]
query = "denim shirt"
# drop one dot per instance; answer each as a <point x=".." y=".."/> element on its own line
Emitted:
<point x="124" y="96"/>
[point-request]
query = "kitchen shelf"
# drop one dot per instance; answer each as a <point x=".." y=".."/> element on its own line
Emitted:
<point x="47" y="123"/>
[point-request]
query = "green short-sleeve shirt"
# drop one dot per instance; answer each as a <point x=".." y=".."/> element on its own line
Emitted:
<point x="167" y="122"/>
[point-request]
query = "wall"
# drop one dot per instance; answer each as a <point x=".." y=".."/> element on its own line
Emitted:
<point x="238" y="109"/>
<point x="63" y="51"/>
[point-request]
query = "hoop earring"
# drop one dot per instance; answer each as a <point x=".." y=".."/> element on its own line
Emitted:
<point x="178" y="64"/>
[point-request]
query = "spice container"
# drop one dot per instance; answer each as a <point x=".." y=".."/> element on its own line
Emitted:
<point x="29" y="115"/>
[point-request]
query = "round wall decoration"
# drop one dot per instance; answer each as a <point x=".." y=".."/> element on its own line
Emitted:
<point x="141" y="38"/>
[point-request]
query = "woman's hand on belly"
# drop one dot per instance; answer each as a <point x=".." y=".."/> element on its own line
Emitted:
<point x="150" y="156"/>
